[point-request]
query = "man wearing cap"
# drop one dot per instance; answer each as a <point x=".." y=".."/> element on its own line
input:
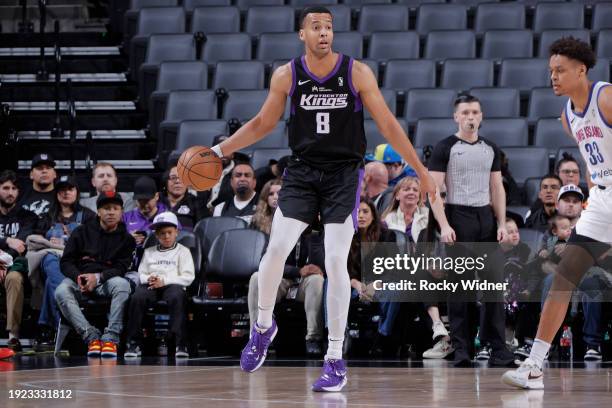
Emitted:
<point x="95" y="260"/>
<point x="40" y="196"/>
<point x="569" y="202"/>
<point x="104" y="178"/>
<point x="165" y="272"/>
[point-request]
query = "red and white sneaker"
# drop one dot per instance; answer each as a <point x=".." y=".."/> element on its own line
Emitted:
<point x="93" y="349"/>
<point x="528" y="376"/>
<point x="109" y="349"/>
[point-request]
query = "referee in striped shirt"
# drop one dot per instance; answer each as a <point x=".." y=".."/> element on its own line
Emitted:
<point x="469" y="166"/>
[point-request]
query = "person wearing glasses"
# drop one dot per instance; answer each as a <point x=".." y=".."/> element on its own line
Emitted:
<point x="182" y="203"/>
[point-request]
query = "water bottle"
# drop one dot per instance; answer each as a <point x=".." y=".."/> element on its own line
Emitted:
<point x="565" y="343"/>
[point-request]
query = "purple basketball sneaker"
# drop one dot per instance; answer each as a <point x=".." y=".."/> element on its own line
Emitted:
<point x="333" y="377"/>
<point x="254" y="353"/>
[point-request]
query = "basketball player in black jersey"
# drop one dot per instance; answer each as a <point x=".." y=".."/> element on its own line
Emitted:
<point x="328" y="93"/>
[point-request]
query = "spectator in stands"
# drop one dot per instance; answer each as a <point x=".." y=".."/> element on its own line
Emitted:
<point x="165" y="272"/>
<point x="405" y="212"/>
<point x="375" y="181"/>
<point x="16" y="223"/>
<point x="96" y="257"/>
<point x="39" y="197"/>
<point x="104" y="178"/>
<point x="568" y="170"/>
<point x="45" y="250"/>
<point x="569" y="202"/>
<point x="545" y="207"/>
<point x="178" y="200"/>
<point x="396" y="168"/>
<point x="513" y="194"/>
<point x="244" y="201"/>
<point x="303" y="274"/>
<point x="273" y="170"/>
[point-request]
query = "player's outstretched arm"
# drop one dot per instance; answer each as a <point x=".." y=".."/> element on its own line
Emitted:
<point x="365" y="84"/>
<point x="267" y="118"/>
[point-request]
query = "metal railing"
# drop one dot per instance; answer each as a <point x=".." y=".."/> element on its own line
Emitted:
<point x="43" y="74"/>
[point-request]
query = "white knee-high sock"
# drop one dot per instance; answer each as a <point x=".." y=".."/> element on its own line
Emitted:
<point x="283" y="237"/>
<point x="338" y="239"/>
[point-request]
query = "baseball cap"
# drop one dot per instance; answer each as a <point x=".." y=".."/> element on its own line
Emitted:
<point x="144" y="188"/>
<point x="570" y="188"/>
<point x="384" y="153"/>
<point x="109" y="197"/>
<point x="42" y="158"/>
<point x="66" y="181"/>
<point x="164" y="219"/>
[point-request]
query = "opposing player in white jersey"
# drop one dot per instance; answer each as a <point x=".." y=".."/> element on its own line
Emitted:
<point x="587" y="118"/>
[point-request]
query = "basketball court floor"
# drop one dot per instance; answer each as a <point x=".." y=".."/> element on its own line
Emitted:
<point x="218" y="382"/>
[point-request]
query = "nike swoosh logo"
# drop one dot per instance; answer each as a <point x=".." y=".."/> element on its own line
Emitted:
<point x="531" y="377"/>
<point x="303" y="82"/>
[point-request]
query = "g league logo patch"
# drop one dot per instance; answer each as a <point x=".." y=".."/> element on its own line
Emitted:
<point x="340" y="81"/>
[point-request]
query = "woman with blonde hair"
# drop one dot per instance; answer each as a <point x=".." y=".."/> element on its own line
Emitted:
<point x="406" y="212"/>
<point x="268" y="201"/>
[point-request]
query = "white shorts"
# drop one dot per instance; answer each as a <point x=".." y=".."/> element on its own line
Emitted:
<point x="596" y="220"/>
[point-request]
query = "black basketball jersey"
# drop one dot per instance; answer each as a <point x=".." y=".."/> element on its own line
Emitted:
<point x="326" y="125"/>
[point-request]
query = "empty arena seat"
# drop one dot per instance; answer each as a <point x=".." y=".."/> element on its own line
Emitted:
<point x="506" y="131"/>
<point x="543" y="103"/>
<point x="130" y="17"/>
<point x="429" y="132"/>
<point x="552" y="16"/>
<point x="549" y="133"/>
<point x="348" y="43"/>
<point x="394" y="45"/>
<point x="226" y="47"/>
<point x="276" y="139"/>
<point x="373" y="66"/>
<point x="464" y="74"/>
<point x="441" y="45"/>
<point x="261" y="157"/>
<point x="525" y="162"/>
<point x="601" y="70"/>
<point x="549" y="36"/>
<point x="214" y="20"/>
<point x="532" y="189"/>
<point x="499" y="16"/>
<point x="208" y="229"/>
<point x="382" y="17"/>
<point x="199" y="133"/>
<point x="191" y="5"/>
<point x="373" y="135"/>
<point x="269" y="19"/>
<point x="357" y="4"/>
<point x="498" y="102"/>
<point x="173" y="76"/>
<point x="429" y="103"/>
<point x="278" y="46"/>
<point x="156" y="20"/>
<point x="604" y="44"/>
<point x="244" y="5"/>
<point x="432" y="17"/>
<point x="500" y="44"/>
<point x="239" y="75"/>
<point x="243" y="104"/>
<point x="342" y="16"/>
<point x="524" y="73"/>
<point x="304" y="3"/>
<point x="402" y="75"/>
<point x="390" y="99"/>
<point x="602" y="16"/>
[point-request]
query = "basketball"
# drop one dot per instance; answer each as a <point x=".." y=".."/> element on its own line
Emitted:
<point x="199" y="167"/>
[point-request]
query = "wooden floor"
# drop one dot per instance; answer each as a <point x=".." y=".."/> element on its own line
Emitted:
<point x="196" y="383"/>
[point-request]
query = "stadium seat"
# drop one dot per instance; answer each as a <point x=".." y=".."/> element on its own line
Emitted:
<point x="157" y="20"/>
<point x="524" y="73"/>
<point x="499" y="16"/>
<point x="532" y="189"/>
<point x="512" y="132"/>
<point x="199" y="133"/>
<point x="464" y="74"/>
<point x="278" y="46"/>
<point x="348" y="43"/>
<point x="261" y="157"/>
<point x="210" y="228"/>
<point x="276" y="139"/>
<point x="342" y="17"/>
<point x="191" y="5"/>
<point x="441" y="45"/>
<point x="304" y="3"/>
<point x="130" y="18"/>
<point x="531" y="237"/>
<point x="390" y="99"/>
<point x="472" y="3"/>
<point x="357" y="4"/>
<point x="525" y="162"/>
<point x="382" y="17"/>
<point x="243" y="104"/>
<point x="239" y="75"/>
<point x="163" y="48"/>
<point x="429" y="103"/>
<point x="543" y="103"/>
<point x="214" y="20"/>
<point x="173" y="76"/>
<point x="394" y="45"/>
<point x="498" y="102"/>
<point x="549" y="36"/>
<point x="432" y="17"/>
<point x="601" y="70"/>
<point x="373" y="66"/>
<point x="604" y="44"/>
<point x="553" y="16"/>
<point x="602" y="17"/>
<point x="269" y="19"/>
<point x="373" y="135"/>
<point x="429" y="132"/>
<point x="226" y="47"/>
<point x="500" y="44"/>
<point x="402" y="75"/>
<point x="549" y="133"/>
<point x="244" y="5"/>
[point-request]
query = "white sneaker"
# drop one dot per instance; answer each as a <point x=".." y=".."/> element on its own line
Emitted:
<point x="440" y="350"/>
<point x="528" y="376"/>
<point x="439" y="330"/>
<point x="592" y="354"/>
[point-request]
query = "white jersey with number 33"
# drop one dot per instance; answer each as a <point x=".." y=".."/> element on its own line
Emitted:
<point x="594" y="136"/>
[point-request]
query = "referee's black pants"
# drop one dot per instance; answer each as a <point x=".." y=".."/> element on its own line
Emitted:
<point x="476" y="225"/>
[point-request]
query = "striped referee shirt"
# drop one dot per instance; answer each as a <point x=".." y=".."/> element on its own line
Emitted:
<point x="468" y="168"/>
